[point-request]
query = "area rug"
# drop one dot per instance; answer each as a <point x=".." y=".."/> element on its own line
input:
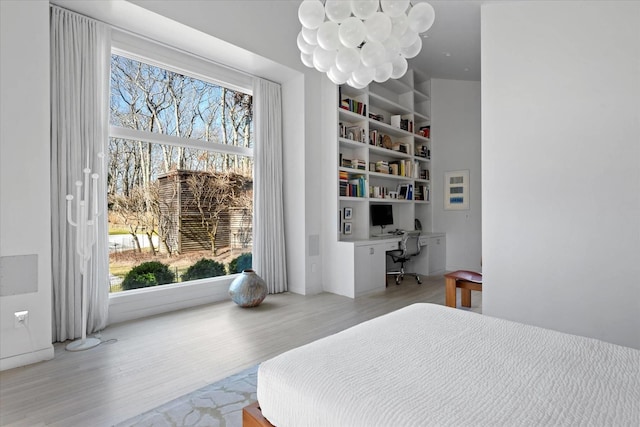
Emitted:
<point x="216" y="405"/>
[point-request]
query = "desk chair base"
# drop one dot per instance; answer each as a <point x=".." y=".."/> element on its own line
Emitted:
<point x="399" y="276"/>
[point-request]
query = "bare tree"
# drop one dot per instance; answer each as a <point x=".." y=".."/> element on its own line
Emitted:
<point x="212" y="195"/>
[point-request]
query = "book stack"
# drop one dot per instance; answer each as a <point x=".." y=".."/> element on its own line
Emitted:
<point x="376" y="117"/>
<point x="422" y="192"/>
<point x="352" y="185"/>
<point x="377" y="192"/>
<point x="343" y="179"/>
<point x="406" y="124"/>
<point x="375" y="138"/>
<point x="403" y="167"/>
<point x="358" y="164"/>
<point x="382" y="166"/>
<point x="357" y="186"/>
<point x="354" y="106"/>
<point x="423" y="151"/>
<point x="354" y="133"/>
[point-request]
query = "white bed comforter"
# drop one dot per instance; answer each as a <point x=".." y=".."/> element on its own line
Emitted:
<point x="431" y="365"/>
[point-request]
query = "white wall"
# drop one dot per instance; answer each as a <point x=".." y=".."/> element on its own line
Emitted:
<point x="561" y="166"/>
<point x="24" y="176"/>
<point x="455" y="136"/>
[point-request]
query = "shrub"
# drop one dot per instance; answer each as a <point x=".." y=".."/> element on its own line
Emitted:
<point x="204" y="268"/>
<point x="240" y="263"/>
<point x="147" y="274"/>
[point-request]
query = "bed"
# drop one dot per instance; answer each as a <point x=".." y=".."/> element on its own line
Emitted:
<point x="427" y="364"/>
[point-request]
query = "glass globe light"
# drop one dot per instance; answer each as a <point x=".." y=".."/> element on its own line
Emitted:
<point x="373" y="54"/>
<point x="383" y="72"/>
<point x="399" y="67"/>
<point x="413" y="50"/>
<point x="311" y="13"/>
<point x="394" y="8"/>
<point x="347" y="59"/>
<point x="337" y="10"/>
<point x="323" y="59"/>
<point x="378" y="27"/>
<point x="364" y="9"/>
<point x="399" y="25"/>
<point x="421" y="17"/>
<point x="363" y="75"/>
<point x="303" y="45"/>
<point x="328" y="36"/>
<point x="351" y="32"/>
<point x="408" y="38"/>
<point x="392" y="48"/>
<point x="337" y="76"/>
<point x="310" y="36"/>
<point x="307" y="59"/>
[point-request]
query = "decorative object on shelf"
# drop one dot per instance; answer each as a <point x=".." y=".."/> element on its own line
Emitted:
<point x="387" y="142"/>
<point x="362" y="40"/>
<point x="348" y="213"/>
<point x="86" y="235"/>
<point x="248" y="289"/>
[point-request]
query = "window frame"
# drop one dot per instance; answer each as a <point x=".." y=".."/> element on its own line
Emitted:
<point x="136" y="303"/>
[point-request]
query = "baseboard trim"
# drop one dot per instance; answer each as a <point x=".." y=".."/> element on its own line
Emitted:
<point x="27" y="358"/>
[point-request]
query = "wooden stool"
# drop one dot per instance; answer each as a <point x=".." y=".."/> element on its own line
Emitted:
<point x="467" y="281"/>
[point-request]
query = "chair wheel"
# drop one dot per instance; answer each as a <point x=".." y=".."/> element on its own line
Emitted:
<point x="398" y="280"/>
<point x="419" y="280"/>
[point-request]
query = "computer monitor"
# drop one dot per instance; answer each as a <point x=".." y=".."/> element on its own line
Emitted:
<point x="381" y="215"/>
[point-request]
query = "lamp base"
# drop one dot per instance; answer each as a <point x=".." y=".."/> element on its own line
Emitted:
<point x="83" y="344"/>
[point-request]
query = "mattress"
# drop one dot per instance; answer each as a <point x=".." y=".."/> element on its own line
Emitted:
<point x="427" y="364"/>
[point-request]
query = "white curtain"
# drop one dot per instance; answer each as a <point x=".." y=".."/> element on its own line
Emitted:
<point x="80" y="67"/>
<point x="269" y="260"/>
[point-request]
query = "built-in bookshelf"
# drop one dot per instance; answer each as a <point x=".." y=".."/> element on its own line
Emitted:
<point x="384" y="154"/>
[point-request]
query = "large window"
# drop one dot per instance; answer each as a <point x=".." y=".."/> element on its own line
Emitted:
<point x="180" y="181"/>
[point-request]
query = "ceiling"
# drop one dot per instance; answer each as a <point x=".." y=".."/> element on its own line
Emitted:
<point x="451" y="47"/>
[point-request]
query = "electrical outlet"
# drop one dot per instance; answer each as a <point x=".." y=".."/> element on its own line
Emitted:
<point x="21" y="319"/>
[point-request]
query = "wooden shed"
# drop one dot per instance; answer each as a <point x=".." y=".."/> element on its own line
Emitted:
<point x="190" y="211"/>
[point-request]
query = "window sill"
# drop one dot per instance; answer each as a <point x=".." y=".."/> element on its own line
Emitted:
<point x="138" y="303"/>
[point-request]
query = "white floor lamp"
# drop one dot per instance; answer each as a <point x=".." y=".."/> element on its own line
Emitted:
<point x="86" y="230"/>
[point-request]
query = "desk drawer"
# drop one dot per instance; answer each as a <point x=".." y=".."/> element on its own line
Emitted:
<point x="391" y="246"/>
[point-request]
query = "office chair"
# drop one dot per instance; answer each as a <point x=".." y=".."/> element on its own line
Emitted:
<point x="409" y="247"/>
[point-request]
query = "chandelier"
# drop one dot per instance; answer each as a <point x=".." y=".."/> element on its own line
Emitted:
<point x="361" y="41"/>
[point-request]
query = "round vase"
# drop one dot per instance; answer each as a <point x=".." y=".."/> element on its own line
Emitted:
<point x="248" y="289"/>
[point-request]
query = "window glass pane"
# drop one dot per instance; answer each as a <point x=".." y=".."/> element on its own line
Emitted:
<point x="174" y="218"/>
<point x="149" y="98"/>
<point x="176" y="212"/>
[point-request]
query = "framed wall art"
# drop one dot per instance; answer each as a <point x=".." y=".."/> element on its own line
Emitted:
<point x="348" y="213"/>
<point x="456" y="190"/>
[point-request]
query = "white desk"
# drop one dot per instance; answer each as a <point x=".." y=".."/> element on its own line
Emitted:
<point x="370" y="260"/>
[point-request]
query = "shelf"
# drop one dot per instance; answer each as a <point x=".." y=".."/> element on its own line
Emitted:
<point x="389" y="153"/>
<point x="387" y="200"/>
<point x="422" y="159"/>
<point x="409" y="98"/>
<point x="388" y="106"/>
<point x="390" y="176"/>
<point x="354" y="199"/>
<point x="346" y="142"/>
<point x="390" y="130"/>
<point x="346" y="115"/>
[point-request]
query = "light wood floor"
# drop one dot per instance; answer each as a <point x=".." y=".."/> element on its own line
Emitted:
<point x="144" y="363"/>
